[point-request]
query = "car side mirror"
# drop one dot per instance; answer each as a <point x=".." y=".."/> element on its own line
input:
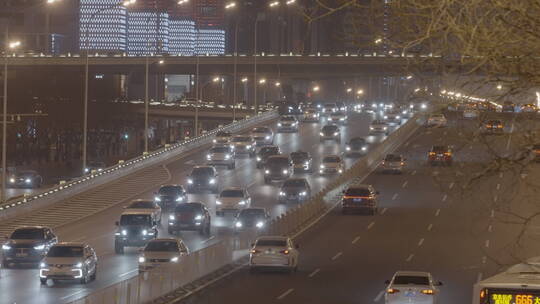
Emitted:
<point x="117" y="223"/>
<point x="387" y="282"/>
<point x="439" y="283"/>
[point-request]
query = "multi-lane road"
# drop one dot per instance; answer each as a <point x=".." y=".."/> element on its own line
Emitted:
<point x="21" y="285"/>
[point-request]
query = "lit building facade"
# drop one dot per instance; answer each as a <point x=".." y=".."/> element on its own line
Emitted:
<point x="102" y="26"/>
<point x="210" y="41"/>
<point x="182" y="37"/>
<point x="147" y="33"/>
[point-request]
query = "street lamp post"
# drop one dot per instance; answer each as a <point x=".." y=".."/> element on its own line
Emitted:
<point x="228" y="7"/>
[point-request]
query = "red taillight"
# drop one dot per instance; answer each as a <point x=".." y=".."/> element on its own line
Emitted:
<point x="285" y="252"/>
<point x="392" y="290"/>
<point x="431" y="153"/>
<point x="427" y="291"/>
<point x="447" y="153"/>
<point x="482" y="294"/>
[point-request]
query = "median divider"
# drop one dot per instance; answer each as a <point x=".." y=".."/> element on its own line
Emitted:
<point x="203" y="267"/>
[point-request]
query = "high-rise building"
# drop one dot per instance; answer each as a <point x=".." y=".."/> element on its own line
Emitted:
<point x="102" y="25"/>
<point x="147" y="33"/>
<point x="181" y="37"/>
<point x="210" y="41"/>
<point x="210" y="13"/>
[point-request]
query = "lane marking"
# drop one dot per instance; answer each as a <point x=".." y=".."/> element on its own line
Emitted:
<point x="383" y="211"/>
<point x="498" y="186"/>
<point x="355" y="240"/>
<point x="370" y="225"/>
<point x="471" y="147"/>
<point x="127" y="273"/>
<point x="495" y="198"/>
<point x="73" y="294"/>
<point x="394" y="197"/>
<point x="414" y="172"/>
<point x="337" y="256"/>
<point x="484" y="259"/>
<point x="444" y="198"/>
<point x="492" y="213"/>
<point x="487" y="243"/>
<point x="430" y="226"/>
<point x="311" y="275"/>
<point x="421" y="242"/>
<point x="405" y="184"/>
<point x="490" y="228"/>
<point x="209" y="239"/>
<point x="410" y="257"/>
<point x="438" y="212"/>
<point x="451" y="185"/>
<point x="501" y="175"/>
<point x="479" y="277"/>
<point x="286" y="293"/>
<point x="379" y="296"/>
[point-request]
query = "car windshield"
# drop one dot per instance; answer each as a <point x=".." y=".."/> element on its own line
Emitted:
<point x="27" y="234"/>
<point x="189" y="207"/>
<point x="437" y="116"/>
<point x="203" y="172"/>
<point x="392" y="158"/>
<point x="223" y="134"/>
<point x="294" y="183"/>
<point x="273" y="243"/>
<point x="261" y="130"/>
<point x="299" y="156"/>
<point x="357" y="141"/>
<point x="329" y="106"/>
<point x="493" y="122"/>
<point x="232" y="193"/>
<point x="251" y="213"/>
<point x="170" y="190"/>
<point x="135" y="220"/>
<point x="288" y="118"/>
<point x="278" y="161"/>
<point x="167" y="246"/>
<point x="357" y="192"/>
<point x="241" y="139"/>
<point x="219" y="150"/>
<point x="26" y="173"/>
<point x="142" y="205"/>
<point x="311" y="111"/>
<point x="378" y="122"/>
<point x="65" y="252"/>
<point x="439" y="149"/>
<point x="331" y="159"/>
<point x="329" y="128"/>
<point x="269" y="150"/>
<point x="411" y="280"/>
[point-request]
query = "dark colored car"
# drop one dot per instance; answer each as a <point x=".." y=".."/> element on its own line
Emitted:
<point x="135" y="229"/>
<point x="359" y="198"/>
<point x="440" y="155"/>
<point x="27" y="245"/>
<point x="508" y="107"/>
<point x="96" y="166"/>
<point x="202" y="178"/>
<point x="356" y="146"/>
<point x="251" y="218"/>
<point x="170" y="195"/>
<point x="277" y="167"/>
<point x="331" y="132"/>
<point x="190" y="217"/>
<point x="493" y="126"/>
<point x="25" y="179"/>
<point x="264" y="153"/>
<point x="294" y="190"/>
<point x="302" y="161"/>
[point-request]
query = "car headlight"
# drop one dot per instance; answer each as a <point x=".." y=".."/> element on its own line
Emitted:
<point x="267" y="137"/>
<point x="198" y="217"/>
<point x="248" y="147"/>
<point x="12" y="180"/>
<point x="174" y="259"/>
<point x="214" y="140"/>
<point x="304" y="193"/>
<point x="208" y="156"/>
<point x="86" y="170"/>
<point x="218" y="203"/>
<point x="241" y="202"/>
<point x="371" y="128"/>
<point x="144" y="232"/>
<point x="385" y="117"/>
<point x="322" y="134"/>
<point x="42" y="265"/>
<point x="281" y="193"/>
<point x="238" y="224"/>
<point x="124" y="232"/>
<point x="39" y="247"/>
<point x="172" y="217"/>
<point x="423" y="106"/>
<point x="381" y="105"/>
<point x="267" y="171"/>
<point x="279" y="124"/>
<point x="342" y="118"/>
<point x="285" y="171"/>
<point x="398" y="117"/>
<point x="141" y="259"/>
<point x="28" y="181"/>
<point x="78" y="265"/>
<point x="373" y="105"/>
<point x="385" y="128"/>
<point x="306" y="163"/>
<point x="259" y="224"/>
<point x="212" y="181"/>
<point x="6" y="247"/>
<point x="404" y="112"/>
<point x="364" y="148"/>
<point x="180" y="198"/>
<point x="336" y="133"/>
<point x="227" y="156"/>
<point x="322" y="166"/>
<point x="258" y="158"/>
<point x="190" y="181"/>
<point x="348" y="148"/>
<point x="157" y="198"/>
<point x="340" y="171"/>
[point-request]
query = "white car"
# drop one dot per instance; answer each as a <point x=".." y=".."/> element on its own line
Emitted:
<point x="287" y="123"/>
<point x="311" y="115"/>
<point x="232" y="199"/>
<point x="379" y="126"/>
<point x="262" y="135"/>
<point x="146" y="205"/>
<point x="437" y="120"/>
<point x="161" y="253"/>
<point x="221" y="155"/>
<point x="69" y="261"/>
<point x="243" y="144"/>
<point x="222" y="137"/>
<point x="337" y="118"/>
<point x="331" y="164"/>
<point x="273" y="252"/>
<point x="329" y="108"/>
<point x="470" y="113"/>
<point x="412" y="287"/>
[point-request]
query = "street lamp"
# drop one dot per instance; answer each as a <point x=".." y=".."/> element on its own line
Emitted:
<point x="499" y="87"/>
<point x="273" y="3"/>
<point x="9" y="46"/>
<point x="349" y="90"/>
<point x="182" y="2"/>
<point x="230" y="5"/>
<point x="316" y="89"/>
<point x="360" y="92"/>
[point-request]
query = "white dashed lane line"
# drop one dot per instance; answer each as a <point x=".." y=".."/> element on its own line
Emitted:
<point x="429" y="227"/>
<point x="413" y="173"/>
<point x="498" y="186"/>
<point x="394" y="196"/>
<point x="379" y="296"/>
<point x="384" y="211"/>
<point x="492" y="213"/>
<point x="490" y="228"/>
<point x="451" y="185"/>
<point x="311" y="275"/>
<point x="444" y="198"/>
<point x="438" y="212"/>
<point x="355" y="240"/>
<point x="370" y="225"/>
<point x="405" y="184"/>
<point x="495" y="198"/>
<point x="487" y="243"/>
<point x="410" y="257"/>
<point x="335" y="257"/>
<point x="479" y="278"/>
<point x="421" y="242"/>
<point x="286" y="293"/>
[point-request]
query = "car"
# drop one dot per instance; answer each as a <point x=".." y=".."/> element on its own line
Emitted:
<point x="202" y="178"/>
<point x="243" y="144"/>
<point x="69" y="261"/>
<point x="406" y="112"/>
<point x="436" y="120"/>
<point x="170" y="195"/>
<point x="311" y="115"/>
<point x="94" y="166"/>
<point x="221" y="156"/>
<point x="250" y="218"/>
<point x="278" y="167"/>
<point x="341" y="106"/>
<point x="294" y="190"/>
<point x="222" y="137"/>
<point x="273" y="252"/>
<point x="193" y="216"/>
<point x="493" y="126"/>
<point x="356" y="146"/>
<point x="535" y="149"/>
<point x="134" y="229"/>
<point x="146" y="205"/>
<point x="232" y="199"/>
<point x="287" y="123"/>
<point x="378" y="126"/>
<point x="25" y="179"/>
<point x="331" y="164"/>
<point x="302" y="162"/>
<point x="440" y="155"/>
<point x="508" y="107"/>
<point x="393" y="117"/>
<point x="27" y="245"/>
<point x="338" y="118"/>
<point x="329" y="108"/>
<point x="330" y="132"/>
<point x="262" y="136"/>
<point x="470" y="113"/>
<point x="360" y="198"/>
<point x="264" y="153"/>
<point x="163" y="252"/>
<point x="393" y="163"/>
<point x="412" y="287"/>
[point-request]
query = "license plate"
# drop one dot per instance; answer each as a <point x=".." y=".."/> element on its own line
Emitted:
<point x="184" y="225"/>
<point x="20" y="255"/>
<point x="357" y="200"/>
<point x="410" y="293"/>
